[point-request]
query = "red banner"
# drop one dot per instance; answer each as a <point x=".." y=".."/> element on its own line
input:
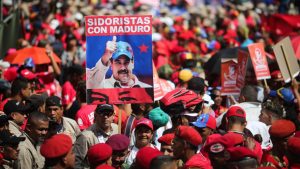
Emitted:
<point x="241" y="68"/>
<point x="259" y="61"/>
<point x="228" y="78"/>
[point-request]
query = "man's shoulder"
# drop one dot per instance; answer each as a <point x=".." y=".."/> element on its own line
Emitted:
<point x="70" y="121"/>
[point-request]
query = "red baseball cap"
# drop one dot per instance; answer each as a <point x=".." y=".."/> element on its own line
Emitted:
<point x="105" y="166"/>
<point x="236" y="111"/>
<point x="145" y="122"/>
<point x="294" y="145"/>
<point x="189" y="134"/>
<point x="56" y="146"/>
<point x="167" y="138"/>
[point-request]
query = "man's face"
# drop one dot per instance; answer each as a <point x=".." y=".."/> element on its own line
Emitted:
<point x="218" y="98"/>
<point x="19" y="118"/>
<point x="204" y="132"/>
<point x="178" y="147"/>
<point x="166" y="149"/>
<point x="265" y="117"/>
<point x="38" y="130"/>
<point x="104" y="119"/>
<point x="143" y="135"/>
<point x="118" y="158"/>
<point x="70" y="159"/>
<point x="122" y="69"/>
<point x="26" y="92"/>
<point x="11" y="152"/>
<point x="55" y="113"/>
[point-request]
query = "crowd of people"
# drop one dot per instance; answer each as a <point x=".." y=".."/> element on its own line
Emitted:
<point x="45" y="121"/>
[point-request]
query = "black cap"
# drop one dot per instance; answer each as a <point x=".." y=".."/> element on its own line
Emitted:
<point x="14" y="106"/>
<point x="53" y="101"/>
<point x="104" y="108"/>
<point x="6" y="138"/>
<point x="197" y="84"/>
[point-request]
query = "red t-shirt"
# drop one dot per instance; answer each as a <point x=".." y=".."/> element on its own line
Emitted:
<point x="85" y="116"/>
<point x="68" y="93"/>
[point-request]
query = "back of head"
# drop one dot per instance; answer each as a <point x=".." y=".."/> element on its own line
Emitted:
<point x="17" y="85"/>
<point x="249" y="92"/>
<point x="274" y="107"/>
<point x="161" y="162"/>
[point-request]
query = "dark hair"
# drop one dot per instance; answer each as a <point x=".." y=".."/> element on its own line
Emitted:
<point x="274" y="107"/>
<point x="250" y="93"/>
<point x="17" y="85"/>
<point x="75" y="69"/>
<point x="161" y="161"/>
<point x="248" y="162"/>
<point x="81" y="91"/>
<point x="235" y="120"/>
<point x="36" y="116"/>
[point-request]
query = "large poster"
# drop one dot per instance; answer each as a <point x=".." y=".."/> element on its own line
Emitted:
<point x="259" y="61"/>
<point x="228" y="77"/>
<point x="119" y="59"/>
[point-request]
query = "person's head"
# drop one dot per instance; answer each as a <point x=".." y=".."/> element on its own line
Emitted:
<point x="81" y="92"/>
<point x="242" y="158"/>
<point x="122" y="63"/>
<point x="38" y="102"/>
<point x="294" y="150"/>
<point x="163" y="162"/>
<point x="217" y="153"/>
<point x="141" y="108"/>
<point x="248" y="94"/>
<point x="9" y="145"/>
<point x="158" y="117"/>
<point x="54" y="109"/>
<point x="197" y="84"/>
<point x="205" y="125"/>
<point x="104" y="115"/>
<point x="236" y="119"/>
<point x="216" y="97"/>
<point x="270" y="112"/>
<point x="184" y="76"/>
<point x="37" y="126"/>
<point x="143" y="132"/>
<point x="166" y="143"/>
<point x="99" y="154"/>
<point x="21" y="87"/>
<point x="119" y="144"/>
<point x="16" y="111"/>
<point x="75" y="73"/>
<point x="280" y="132"/>
<point x="186" y="141"/>
<point x="57" y="151"/>
<point x="144" y="157"/>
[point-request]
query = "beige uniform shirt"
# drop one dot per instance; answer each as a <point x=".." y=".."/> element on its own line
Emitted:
<point x="88" y="138"/>
<point x="14" y="128"/>
<point x="71" y="128"/>
<point x="29" y="155"/>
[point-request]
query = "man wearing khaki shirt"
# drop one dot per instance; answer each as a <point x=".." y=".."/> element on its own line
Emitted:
<point x="99" y="132"/>
<point x="35" y="133"/>
<point x="60" y="124"/>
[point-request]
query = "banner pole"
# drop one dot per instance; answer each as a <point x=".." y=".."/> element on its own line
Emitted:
<point x="120" y="121"/>
<point x="287" y="64"/>
<point x="266" y="84"/>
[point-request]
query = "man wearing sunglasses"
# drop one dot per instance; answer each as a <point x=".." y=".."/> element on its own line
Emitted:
<point x="99" y="132"/>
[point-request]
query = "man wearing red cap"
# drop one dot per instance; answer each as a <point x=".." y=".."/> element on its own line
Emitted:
<point x="99" y="132"/>
<point x="294" y="152"/>
<point x="166" y="143"/>
<point x="120" y="146"/>
<point x="143" y="138"/>
<point x="205" y="125"/>
<point x="280" y="132"/>
<point x="185" y="147"/>
<point x="58" y="152"/>
<point x="144" y="157"/>
<point x="99" y="154"/>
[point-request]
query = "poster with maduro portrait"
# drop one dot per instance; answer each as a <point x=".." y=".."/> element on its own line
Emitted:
<point x="228" y="77"/>
<point x="119" y="59"/>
